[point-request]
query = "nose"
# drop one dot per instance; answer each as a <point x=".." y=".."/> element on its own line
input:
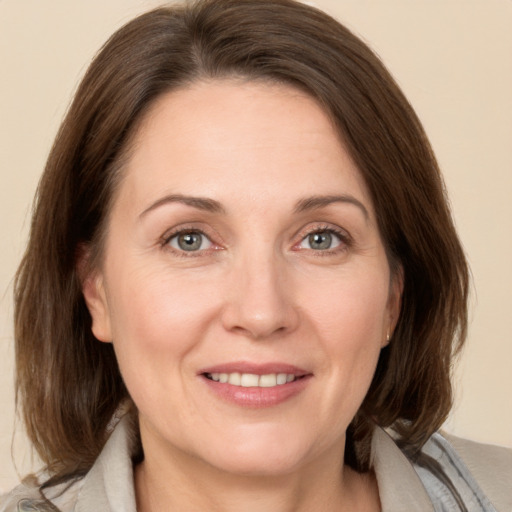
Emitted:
<point x="259" y="302"/>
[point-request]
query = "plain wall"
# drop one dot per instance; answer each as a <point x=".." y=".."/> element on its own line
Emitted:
<point x="453" y="59"/>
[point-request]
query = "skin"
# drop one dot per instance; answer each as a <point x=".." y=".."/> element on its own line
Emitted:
<point x="256" y="290"/>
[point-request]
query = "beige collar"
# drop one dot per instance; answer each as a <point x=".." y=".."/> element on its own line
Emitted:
<point x="400" y="487"/>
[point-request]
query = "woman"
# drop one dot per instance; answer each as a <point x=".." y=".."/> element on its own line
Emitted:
<point x="241" y="269"/>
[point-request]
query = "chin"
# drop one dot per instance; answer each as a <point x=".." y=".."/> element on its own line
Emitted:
<point x="258" y="464"/>
<point x="261" y="454"/>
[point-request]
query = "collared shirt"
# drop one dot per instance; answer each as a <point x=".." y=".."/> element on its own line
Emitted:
<point x="450" y="475"/>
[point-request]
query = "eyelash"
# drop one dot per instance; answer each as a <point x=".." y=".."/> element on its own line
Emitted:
<point x="344" y="237"/>
<point x="166" y="240"/>
<point x="345" y="240"/>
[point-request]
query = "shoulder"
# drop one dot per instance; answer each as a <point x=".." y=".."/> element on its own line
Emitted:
<point x="448" y="473"/>
<point x="456" y="471"/>
<point x="28" y="497"/>
<point x="108" y="485"/>
<point x="491" y="467"/>
<point x="26" y="491"/>
<point x="13" y="501"/>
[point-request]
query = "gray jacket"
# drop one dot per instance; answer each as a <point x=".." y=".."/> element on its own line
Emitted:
<point x="450" y="475"/>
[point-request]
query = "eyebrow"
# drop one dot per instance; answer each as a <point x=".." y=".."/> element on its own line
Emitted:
<point x="316" y="202"/>
<point x="213" y="206"/>
<point x="201" y="203"/>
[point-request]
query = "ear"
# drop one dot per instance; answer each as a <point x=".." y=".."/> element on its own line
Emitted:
<point x="93" y="289"/>
<point x="396" y="288"/>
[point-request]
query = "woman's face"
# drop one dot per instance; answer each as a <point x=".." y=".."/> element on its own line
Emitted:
<point x="244" y="284"/>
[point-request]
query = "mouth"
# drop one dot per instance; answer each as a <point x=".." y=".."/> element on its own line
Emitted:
<point x="252" y="380"/>
<point x="255" y="385"/>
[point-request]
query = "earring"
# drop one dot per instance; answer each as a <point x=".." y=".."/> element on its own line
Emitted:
<point x="388" y="337"/>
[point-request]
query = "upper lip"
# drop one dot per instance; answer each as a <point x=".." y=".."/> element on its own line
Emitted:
<point x="255" y="368"/>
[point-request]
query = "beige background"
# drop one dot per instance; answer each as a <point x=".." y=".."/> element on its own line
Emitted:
<point x="453" y="59"/>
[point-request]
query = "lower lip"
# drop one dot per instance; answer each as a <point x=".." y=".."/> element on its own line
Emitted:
<point x="257" y="397"/>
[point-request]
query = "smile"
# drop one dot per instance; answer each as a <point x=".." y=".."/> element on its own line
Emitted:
<point x="251" y="380"/>
<point x="246" y="384"/>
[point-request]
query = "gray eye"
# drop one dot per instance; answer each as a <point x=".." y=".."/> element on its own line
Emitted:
<point x="189" y="242"/>
<point x="320" y="241"/>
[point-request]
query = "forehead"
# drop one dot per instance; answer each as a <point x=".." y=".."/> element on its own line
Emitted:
<point x="223" y="137"/>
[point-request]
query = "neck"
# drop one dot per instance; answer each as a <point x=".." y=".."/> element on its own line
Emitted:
<point x="326" y="486"/>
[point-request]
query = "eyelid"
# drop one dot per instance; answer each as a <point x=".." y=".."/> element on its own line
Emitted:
<point x="166" y="238"/>
<point x="174" y="241"/>
<point x="345" y="238"/>
<point x="342" y="234"/>
<point x="334" y="237"/>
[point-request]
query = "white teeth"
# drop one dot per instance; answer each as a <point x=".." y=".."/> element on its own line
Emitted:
<point x="268" y="381"/>
<point x="281" y="379"/>
<point x="234" y="379"/>
<point x="250" y="380"/>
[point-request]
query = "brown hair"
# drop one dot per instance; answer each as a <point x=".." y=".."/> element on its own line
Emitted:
<point x="68" y="384"/>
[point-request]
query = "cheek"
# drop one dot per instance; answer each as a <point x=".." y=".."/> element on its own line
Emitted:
<point x="353" y="343"/>
<point x="350" y="320"/>
<point x="349" y="313"/>
<point x="152" y="306"/>
<point x="156" y="321"/>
